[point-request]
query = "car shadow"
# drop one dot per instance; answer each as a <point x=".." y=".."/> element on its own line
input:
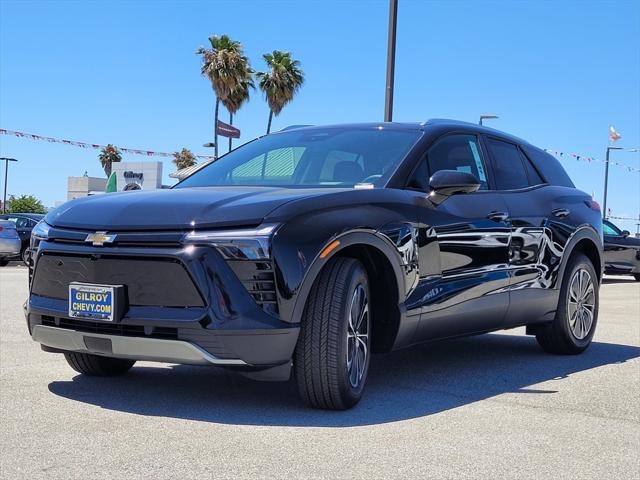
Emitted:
<point x="406" y="384"/>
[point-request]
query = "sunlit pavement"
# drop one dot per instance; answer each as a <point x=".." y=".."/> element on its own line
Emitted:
<point x="492" y="406"/>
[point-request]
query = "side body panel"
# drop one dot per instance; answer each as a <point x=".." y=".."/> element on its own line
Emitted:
<point x="470" y="293"/>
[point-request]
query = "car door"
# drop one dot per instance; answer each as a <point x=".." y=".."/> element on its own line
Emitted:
<point x="463" y="246"/>
<point x="23" y="226"/>
<point x="538" y="218"/>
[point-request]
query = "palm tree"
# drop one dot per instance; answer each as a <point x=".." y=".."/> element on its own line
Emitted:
<point x="109" y="155"/>
<point x="184" y="159"/>
<point x="239" y="96"/>
<point x="225" y="66"/>
<point x="281" y="82"/>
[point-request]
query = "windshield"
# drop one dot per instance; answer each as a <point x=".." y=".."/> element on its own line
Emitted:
<point x="316" y="157"/>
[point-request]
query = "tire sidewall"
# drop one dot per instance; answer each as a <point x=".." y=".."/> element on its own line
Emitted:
<point x="358" y="276"/>
<point x="578" y="262"/>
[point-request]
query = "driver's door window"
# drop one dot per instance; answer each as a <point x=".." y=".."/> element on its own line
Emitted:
<point x="458" y="152"/>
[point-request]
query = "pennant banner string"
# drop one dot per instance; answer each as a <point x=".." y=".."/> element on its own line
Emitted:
<point x="585" y="158"/>
<point x="151" y="153"/>
<point x="132" y="151"/>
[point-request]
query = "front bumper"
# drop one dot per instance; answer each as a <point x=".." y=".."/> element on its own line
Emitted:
<point x="149" y="349"/>
<point x="225" y="326"/>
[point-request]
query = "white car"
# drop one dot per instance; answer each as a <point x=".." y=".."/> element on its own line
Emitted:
<point x="9" y="241"/>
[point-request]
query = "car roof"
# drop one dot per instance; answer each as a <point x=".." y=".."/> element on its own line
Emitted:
<point x="434" y="124"/>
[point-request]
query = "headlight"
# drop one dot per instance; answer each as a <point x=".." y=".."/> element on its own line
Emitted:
<point x="40" y="232"/>
<point x="243" y="244"/>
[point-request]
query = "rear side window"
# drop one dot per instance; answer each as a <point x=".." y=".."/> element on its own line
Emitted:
<point x="508" y="168"/>
<point x="458" y="152"/>
<point x="549" y="166"/>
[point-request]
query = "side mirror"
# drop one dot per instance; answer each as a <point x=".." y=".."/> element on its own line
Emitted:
<point x="445" y="183"/>
<point x="625" y="233"/>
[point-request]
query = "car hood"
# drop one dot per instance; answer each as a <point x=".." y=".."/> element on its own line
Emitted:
<point x="180" y="208"/>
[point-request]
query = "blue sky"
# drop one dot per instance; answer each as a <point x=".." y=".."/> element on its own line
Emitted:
<point x="557" y="73"/>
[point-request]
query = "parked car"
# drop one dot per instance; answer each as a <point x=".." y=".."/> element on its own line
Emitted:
<point x="9" y="242"/>
<point x="24" y="223"/>
<point x="312" y="248"/>
<point x="621" y="251"/>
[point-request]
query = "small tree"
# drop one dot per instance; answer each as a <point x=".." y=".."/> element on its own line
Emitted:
<point x="25" y="204"/>
<point x="184" y="159"/>
<point x="109" y="155"/>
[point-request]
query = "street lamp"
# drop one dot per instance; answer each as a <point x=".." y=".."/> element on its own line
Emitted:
<point x="487" y="117"/>
<point x="209" y="145"/>
<point x="6" y="174"/>
<point x="606" y="175"/>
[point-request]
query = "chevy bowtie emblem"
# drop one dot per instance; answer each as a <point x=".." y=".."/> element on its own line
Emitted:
<point x="98" y="239"/>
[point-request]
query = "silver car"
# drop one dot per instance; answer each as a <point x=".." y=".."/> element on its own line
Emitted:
<point x="9" y="241"/>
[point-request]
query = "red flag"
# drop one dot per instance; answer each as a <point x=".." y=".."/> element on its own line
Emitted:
<point x="226" y="130"/>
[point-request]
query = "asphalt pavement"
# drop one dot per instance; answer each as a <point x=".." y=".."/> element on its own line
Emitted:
<point x="491" y="406"/>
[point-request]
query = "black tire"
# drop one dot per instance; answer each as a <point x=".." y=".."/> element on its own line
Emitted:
<point x="559" y="336"/>
<point x="4" y="262"/>
<point x="324" y="375"/>
<point x="637" y="277"/>
<point x="96" y="365"/>
<point x="25" y="256"/>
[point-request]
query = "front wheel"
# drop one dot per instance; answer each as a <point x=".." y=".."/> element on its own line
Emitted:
<point x="334" y="348"/>
<point x="4" y="262"/>
<point x="575" y="322"/>
<point x="97" y="366"/>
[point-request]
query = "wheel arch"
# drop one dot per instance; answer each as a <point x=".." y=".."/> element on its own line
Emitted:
<point x="584" y="240"/>
<point x="386" y="280"/>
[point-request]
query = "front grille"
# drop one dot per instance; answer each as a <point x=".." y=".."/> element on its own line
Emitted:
<point x="258" y="277"/>
<point x="149" y="281"/>
<point x="104" y="328"/>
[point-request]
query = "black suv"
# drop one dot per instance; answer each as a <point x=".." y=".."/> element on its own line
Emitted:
<point x="315" y="247"/>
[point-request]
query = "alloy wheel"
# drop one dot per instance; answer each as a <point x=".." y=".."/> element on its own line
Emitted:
<point x="358" y="336"/>
<point x="581" y="304"/>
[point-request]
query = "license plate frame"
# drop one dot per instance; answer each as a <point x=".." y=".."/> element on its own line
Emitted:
<point x="89" y="301"/>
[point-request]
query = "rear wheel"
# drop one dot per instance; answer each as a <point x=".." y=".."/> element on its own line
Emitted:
<point x="96" y="365"/>
<point x="575" y="322"/>
<point x="333" y="351"/>
<point x="637" y="277"/>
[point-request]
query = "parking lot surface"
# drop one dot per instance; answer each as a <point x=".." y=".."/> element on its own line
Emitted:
<point x="491" y="406"/>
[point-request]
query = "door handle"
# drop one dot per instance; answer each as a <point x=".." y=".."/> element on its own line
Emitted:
<point x="561" y="212"/>
<point x="498" y="216"/>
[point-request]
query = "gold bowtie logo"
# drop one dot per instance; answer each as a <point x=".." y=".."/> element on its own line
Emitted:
<point x="98" y="239"/>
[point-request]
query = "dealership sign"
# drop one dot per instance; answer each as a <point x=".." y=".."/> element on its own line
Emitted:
<point x="227" y="130"/>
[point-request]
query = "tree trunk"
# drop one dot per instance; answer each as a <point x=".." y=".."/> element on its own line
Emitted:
<point x="215" y="129"/>
<point x="230" y="123"/>
<point x="269" y="124"/>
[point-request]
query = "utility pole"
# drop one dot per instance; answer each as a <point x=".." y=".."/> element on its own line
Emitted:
<point x="391" y="60"/>
<point x="6" y="175"/>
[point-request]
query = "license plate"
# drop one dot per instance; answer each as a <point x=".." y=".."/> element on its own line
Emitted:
<point x="94" y="302"/>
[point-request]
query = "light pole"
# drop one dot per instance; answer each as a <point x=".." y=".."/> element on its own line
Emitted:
<point x="486" y="117"/>
<point x="6" y="174"/>
<point x="391" y="60"/>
